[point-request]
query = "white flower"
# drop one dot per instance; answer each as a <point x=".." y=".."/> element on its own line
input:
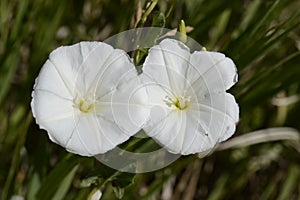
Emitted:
<point x="191" y="110"/>
<point x="88" y="98"/>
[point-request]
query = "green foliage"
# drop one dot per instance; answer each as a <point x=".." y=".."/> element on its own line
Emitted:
<point x="262" y="37"/>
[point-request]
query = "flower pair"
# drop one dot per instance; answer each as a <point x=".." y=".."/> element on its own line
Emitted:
<point x="89" y="97"/>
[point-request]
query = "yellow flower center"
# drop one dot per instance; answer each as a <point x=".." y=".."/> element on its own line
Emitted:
<point x="84" y="105"/>
<point x="180" y="103"/>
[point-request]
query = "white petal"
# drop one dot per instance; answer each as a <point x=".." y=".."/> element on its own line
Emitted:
<point x="93" y="136"/>
<point x="211" y="70"/>
<point x="68" y="60"/>
<point x="116" y="70"/>
<point x="53" y="114"/>
<point x="163" y="127"/>
<point x="156" y="92"/>
<point x="218" y="115"/>
<point x="103" y="68"/>
<point x="197" y="129"/>
<point x="176" y="131"/>
<point x="49" y="80"/>
<point x="125" y="106"/>
<point x="191" y="137"/>
<point x="167" y="64"/>
<point x="48" y="106"/>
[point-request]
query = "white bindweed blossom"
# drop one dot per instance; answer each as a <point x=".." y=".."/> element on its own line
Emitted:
<point x="89" y="98"/>
<point x="191" y="110"/>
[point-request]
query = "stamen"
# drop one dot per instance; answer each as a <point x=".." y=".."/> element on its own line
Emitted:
<point x="179" y="103"/>
<point x="84" y="105"/>
<point x="168" y="101"/>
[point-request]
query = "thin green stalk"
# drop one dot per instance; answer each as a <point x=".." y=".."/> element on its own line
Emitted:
<point x="148" y="11"/>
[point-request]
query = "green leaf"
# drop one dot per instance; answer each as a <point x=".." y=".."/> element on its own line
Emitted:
<point x="291" y="183"/>
<point x="33" y="186"/>
<point x="266" y="17"/>
<point x="9" y="65"/>
<point x="65" y="184"/>
<point x="219" y="28"/>
<point x="250" y="14"/>
<point x="123" y="180"/>
<point x="57" y="177"/>
<point x="159" y="19"/>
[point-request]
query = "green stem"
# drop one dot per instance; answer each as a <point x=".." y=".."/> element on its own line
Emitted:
<point x="149" y="10"/>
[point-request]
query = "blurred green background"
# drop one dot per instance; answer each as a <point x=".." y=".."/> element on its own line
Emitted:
<point x="262" y="37"/>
